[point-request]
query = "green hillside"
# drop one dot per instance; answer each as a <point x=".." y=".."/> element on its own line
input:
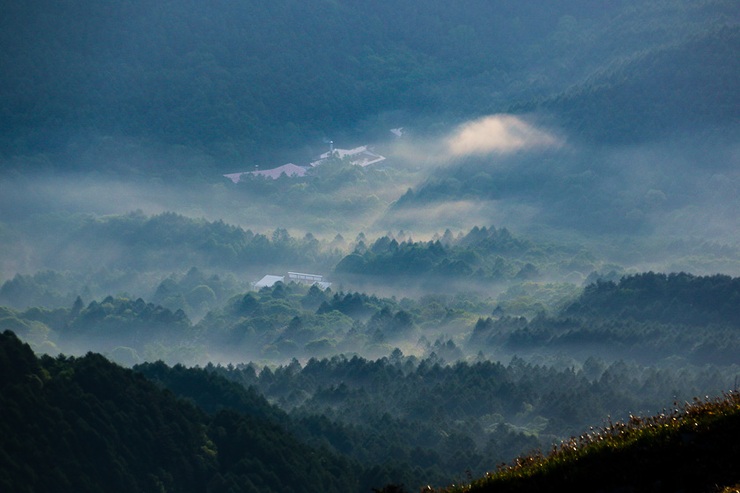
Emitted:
<point x="653" y="297"/>
<point x="642" y="317"/>
<point x="528" y="225"/>
<point x="242" y="79"/>
<point x="687" y="86"/>
<point x="691" y="448"/>
<point x="85" y="424"/>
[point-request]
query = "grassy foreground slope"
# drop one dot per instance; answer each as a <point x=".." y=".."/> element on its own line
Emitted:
<point x="692" y="448"/>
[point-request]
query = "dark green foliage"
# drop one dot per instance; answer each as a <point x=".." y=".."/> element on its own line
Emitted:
<point x="277" y="322"/>
<point x="391" y="488"/>
<point x="170" y="95"/>
<point x="84" y="424"/>
<point x="169" y="241"/>
<point x="678" y="298"/>
<point x="87" y="425"/>
<point x="442" y="420"/>
<point x="41" y="289"/>
<point x="108" y="254"/>
<point x="644" y="317"/>
<point x="269" y="459"/>
<point x="122" y="322"/>
<point x="351" y="304"/>
<point x="434" y="419"/>
<point x="211" y="392"/>
<point x="391" y="326"/>
<point x="483" y="254"/>
<point x="195" y="293"/>
<point x="648" y="317"/>
<point x="674" y="88"/>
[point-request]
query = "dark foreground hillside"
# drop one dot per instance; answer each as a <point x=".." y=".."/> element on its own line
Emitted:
<point x="85" y="424"/>
<point x="691" y="449"/>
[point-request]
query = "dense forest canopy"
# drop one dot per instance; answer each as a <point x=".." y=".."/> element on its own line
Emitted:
<point x="244" y="77"/>
<point x="522" y="217"/>
<point x="438" y="420"/>
<point x="84" y="424"/>
<point x="651" y="318"/>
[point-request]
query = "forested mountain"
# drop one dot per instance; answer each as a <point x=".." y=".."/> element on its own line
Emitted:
<point x="239" y="78"/>
<point x="113" y="429"/>
<point x="646" y="316"/>
<point x="161" y="93"/>
<point x="466" y="416"/>
<point x="547" y="237"/>
<point x="144" y="256"/>
<point x="277" y="324"/>
<point x="84" y="424"/>
<point x="120" y="432"/>
<point x="654" y="93"/>
<point x="674" y="298"/>
<point x="137" y="243"/>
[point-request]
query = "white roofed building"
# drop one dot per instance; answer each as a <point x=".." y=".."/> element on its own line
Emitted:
<point x="289" y="170"/>
<point x="312" y="279"/>
<point x="268" y="281"/>
<point x="305" y="278"/>
<point x="359" y="156"/>
<point x="298" y="277"/>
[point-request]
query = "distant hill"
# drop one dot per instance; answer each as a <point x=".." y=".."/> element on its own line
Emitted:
<point x="643" y="317"/>
<point x="242" y="79"/>
<point x="168" y="241"/>
<point x="678" y="298"/>
<point x="687" y="86"/>
<point x="481" y="254"/>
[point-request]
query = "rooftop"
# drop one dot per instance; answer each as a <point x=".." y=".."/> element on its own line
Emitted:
<point x="289" y="169"/>
<point x="359" y="156"/>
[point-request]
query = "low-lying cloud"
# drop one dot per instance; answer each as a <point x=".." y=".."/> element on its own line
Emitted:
<point x="499" y="135"/>
<point x="496" y="134"/>
<point x="425" y="219"/>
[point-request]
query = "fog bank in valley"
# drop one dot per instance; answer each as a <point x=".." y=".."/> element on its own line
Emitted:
<point x="660" y="200"/>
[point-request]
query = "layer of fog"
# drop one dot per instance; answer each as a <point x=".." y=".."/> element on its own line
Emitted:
<point x="630" y="200"/>
<point x="493" y="135"/>
<point x="650" y="196"/>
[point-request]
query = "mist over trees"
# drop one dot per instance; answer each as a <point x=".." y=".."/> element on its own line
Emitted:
<point x="548" y="240"/>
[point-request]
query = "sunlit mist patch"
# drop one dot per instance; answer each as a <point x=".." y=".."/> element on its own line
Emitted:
<point x="497" y="134"/>
<point x="429" y="218"/>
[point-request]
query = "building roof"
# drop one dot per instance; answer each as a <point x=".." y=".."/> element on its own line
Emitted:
<point x="268" y="281"/>
<point x="305" y="277"/>
<point x="314" y="279"/>
<point x="289" y="169"/>
<point x="359" y="156"/>
<point x="235" y="177"/>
